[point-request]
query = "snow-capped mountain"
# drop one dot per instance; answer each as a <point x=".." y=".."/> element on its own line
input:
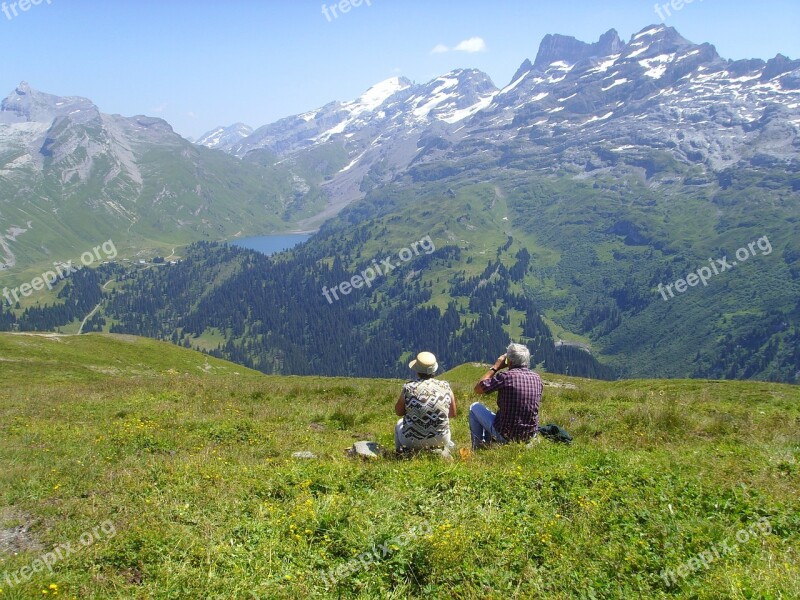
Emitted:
<point x="389" y="105"/>
<point x="577" y="104"/>
<point x="225" y="138"/>
<point x="385" y="124"/>
<point x="659" y="91"/>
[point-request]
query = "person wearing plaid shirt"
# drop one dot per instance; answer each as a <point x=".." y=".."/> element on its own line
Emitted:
<point x="519" y="394"/>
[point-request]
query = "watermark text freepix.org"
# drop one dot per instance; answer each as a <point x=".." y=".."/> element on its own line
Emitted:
<point x="704" y="559"/>
<point x="703" y="274"/>
<point x="10" y="10"/>
<point x="62" y="270"/>
<point x="342" y="7"/>
<point x="106" y="530"/>
<point x="676" y="5"/>
<point x="380" y="552"/>
<point x="370" y="274"/>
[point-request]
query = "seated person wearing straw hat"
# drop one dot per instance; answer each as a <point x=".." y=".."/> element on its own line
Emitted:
<point x="426" y="405"/>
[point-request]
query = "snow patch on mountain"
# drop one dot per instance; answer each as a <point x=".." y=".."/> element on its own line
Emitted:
<point x="378" y="94"/>
<point x="223" y="138"/>
<point x="648" y="32"/>
<point x="616" y="82"/>
<point x="460" y="115"/>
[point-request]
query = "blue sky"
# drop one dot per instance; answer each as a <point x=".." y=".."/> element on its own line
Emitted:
<point x="199" y="64"/>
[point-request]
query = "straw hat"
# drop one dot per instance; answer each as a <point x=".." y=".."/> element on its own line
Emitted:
<point x="425" y="364"/>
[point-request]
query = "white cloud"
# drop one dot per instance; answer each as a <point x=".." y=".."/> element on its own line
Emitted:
<point x="473" y="44"/>
<point x="159" y="109"/>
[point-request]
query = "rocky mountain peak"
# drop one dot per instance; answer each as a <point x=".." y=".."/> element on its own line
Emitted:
<point x="779" y="65"/>
<point x="658" y="40"/>
<point x="28" y="104"/>
<point x="557" y="47"/>
<point x="525" y="67"/>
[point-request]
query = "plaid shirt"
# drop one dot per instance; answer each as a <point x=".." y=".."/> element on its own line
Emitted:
<point x="518" y="400"/>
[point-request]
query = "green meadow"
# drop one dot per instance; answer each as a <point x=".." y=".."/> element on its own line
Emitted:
<point x="179" y="469"/>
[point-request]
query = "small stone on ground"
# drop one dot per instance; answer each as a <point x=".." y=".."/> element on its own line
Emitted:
<point x="365" y="449"/>
<point x="15" y="533"/>
<point x="304" y="454"/>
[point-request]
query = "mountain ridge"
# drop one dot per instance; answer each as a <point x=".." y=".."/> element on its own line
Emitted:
<point x="657" y="91"/>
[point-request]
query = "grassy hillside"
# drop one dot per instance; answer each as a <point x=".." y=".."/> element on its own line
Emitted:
<point x="586" y="254"/>
<point x="600" y="246"/>
<point x="178" y="468"/>
<point x="55" y="359"/>
<point x="187" y="194"/>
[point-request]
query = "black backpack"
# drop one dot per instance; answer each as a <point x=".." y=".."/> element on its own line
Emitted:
<point x="554" y="433"/>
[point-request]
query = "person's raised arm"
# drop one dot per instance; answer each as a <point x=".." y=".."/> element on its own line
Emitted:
<point x="400" y="407"/>
<point x="498" y="364"/>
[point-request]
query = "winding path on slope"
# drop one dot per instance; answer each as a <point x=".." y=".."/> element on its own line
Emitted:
<point x="94" y="310"/>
